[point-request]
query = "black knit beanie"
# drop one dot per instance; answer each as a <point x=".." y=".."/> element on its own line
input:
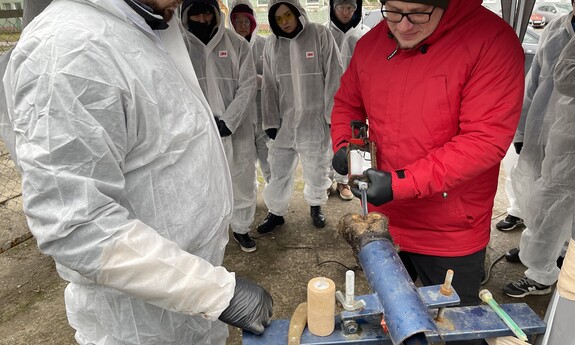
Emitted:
<point x="438" y="3"/>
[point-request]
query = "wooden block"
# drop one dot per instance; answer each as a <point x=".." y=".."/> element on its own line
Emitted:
<point x="297" y="324"/>
<point x="505" y="341"/>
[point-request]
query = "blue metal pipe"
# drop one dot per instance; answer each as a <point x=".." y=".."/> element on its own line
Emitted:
<point x="405" y="313"/>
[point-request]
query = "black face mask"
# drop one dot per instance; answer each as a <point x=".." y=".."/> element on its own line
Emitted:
<point x="203" y="31"/>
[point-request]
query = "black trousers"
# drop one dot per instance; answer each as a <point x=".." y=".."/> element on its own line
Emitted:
<point x="468" y="271"/>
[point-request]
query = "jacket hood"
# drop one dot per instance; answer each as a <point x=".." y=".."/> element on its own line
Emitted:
<point x="295" y="4"/>
<point x="457" y="11"/>
<point x="355" y="19"/>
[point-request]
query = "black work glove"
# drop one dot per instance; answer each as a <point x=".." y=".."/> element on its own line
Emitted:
<point x="379" y="189"/>
<point x="339" y="161"/>
<point x="518" y="147"/>
<point x="271" y="133"/>
<point x="222" y="128"/>
<point x="250" y="308"/>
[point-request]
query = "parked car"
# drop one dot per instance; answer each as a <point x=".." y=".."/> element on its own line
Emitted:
<point x="537" y="20"/>
<point x="551" y="10"/>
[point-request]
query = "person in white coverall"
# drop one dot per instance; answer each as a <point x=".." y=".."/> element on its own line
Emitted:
<point x="558" y="171"/>
<point x="513" y="218"/>
<point x="225" y="69"/>
<point x="302" y="68"/>
<point x="244" y="23"/>
<point x="31" y="8"/>
<point x="346" y="26"/>
<point x="111" y="134"/>
<point x="546" y="209"/>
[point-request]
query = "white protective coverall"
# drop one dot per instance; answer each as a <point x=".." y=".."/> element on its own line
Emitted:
<point x="346" y="42"/>
<point x="227" y="76"/>
<point x="301" y="76"/>
<point x="509" y="164"/>
<point x="111" y="139"/>
<point x="559" y="170"/>
<point x="257" y="44"/>
<point x="545" y="206"/>
<point x="31" y="9"/>
<point x="561" y="308"/>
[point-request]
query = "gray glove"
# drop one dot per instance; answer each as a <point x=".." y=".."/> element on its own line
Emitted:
<point x="250" y="308"/>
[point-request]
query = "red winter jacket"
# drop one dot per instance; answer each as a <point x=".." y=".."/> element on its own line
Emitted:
<point x="444" y="113"/>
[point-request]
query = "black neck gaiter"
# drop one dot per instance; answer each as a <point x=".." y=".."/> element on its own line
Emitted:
<point x="203" y="31"/>
<point x="155" y="21"/>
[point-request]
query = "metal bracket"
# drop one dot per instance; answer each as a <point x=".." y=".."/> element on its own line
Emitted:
<point x="348" y="301"/>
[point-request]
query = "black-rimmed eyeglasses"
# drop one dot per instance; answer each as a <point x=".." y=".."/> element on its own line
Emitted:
<point x="412" y="17"/>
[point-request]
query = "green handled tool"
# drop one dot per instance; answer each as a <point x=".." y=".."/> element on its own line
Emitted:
<point x="487" y="297"/>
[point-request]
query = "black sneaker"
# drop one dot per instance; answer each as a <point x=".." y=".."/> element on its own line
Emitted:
<point x="247" y="244"/>
<point x="512" y="255"/>
<point x="526" y="286"/>
<point x="317" y="216"/>
<point x="270" y="223"/>
<point x="509" y="223"/>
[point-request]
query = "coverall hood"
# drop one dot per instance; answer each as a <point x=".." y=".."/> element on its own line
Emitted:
<point x="245" y="7"/>
<point x="355" y="19"/>
<point x="294" y="5"/>
<point x="204" y="32"/>
<point x="154" y="20"/>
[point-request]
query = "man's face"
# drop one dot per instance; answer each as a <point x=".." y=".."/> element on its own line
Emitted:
<point x="242" y="24"/>
<point x="285" y="19"/>
<point x="344" y="12"/>
<point x="163" y="7"/>
<point x="409" y="35"/>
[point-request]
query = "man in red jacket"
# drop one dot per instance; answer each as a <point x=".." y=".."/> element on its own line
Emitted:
<point x="441" y="84"/>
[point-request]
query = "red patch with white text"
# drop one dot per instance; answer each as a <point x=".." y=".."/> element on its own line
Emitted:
<point x="223" y="53"/>
<point x="309" y="55"/>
